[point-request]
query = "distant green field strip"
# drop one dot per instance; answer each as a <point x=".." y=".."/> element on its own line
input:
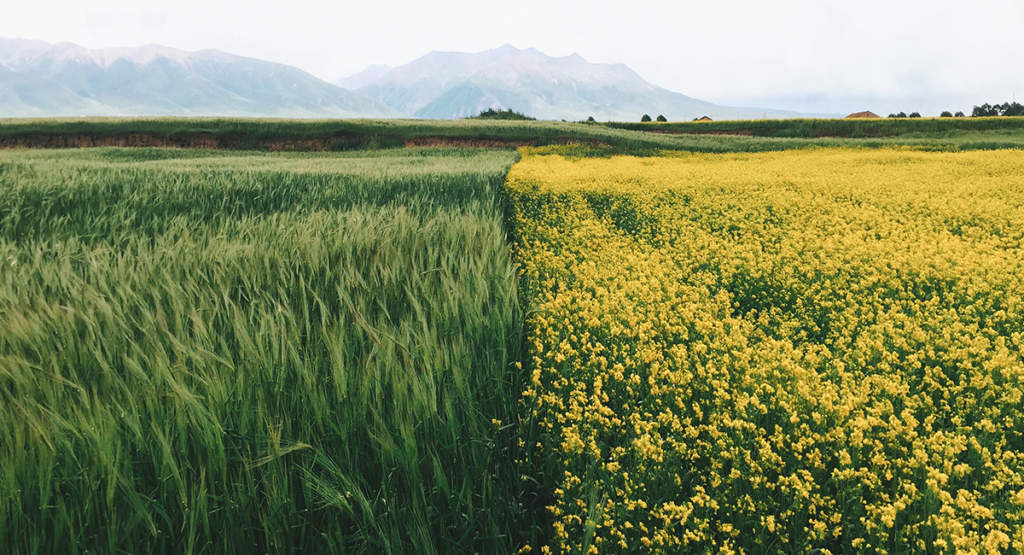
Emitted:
<point x="846" y="128"/>
<point x="635" y="138"/>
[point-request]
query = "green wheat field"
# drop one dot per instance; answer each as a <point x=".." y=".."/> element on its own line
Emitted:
<point x="243" y="352"/>
<point x="498" y="337"/>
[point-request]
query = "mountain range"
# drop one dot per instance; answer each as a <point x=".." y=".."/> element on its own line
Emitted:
<point x="43" y="79"/>
<point x="456" y="84"/>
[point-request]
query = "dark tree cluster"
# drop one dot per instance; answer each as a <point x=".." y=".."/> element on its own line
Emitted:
<point x="944" y="114"/>
<point x="1004" y="109"/>
<point x="646" y="118"/>
<point x="491" y="113"/>
<point x="985" y="110"/>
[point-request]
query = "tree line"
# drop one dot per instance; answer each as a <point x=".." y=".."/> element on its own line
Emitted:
<point x="491" y="113"/>
<point x="985" y="110"/>
<point x="1004" y="109"/>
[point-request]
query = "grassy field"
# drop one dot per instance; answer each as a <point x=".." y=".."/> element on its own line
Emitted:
<point x="933" y="128"/>
<point x="813" y="352"/>
<point x="239" y="352"/>
<point x="714" y="343"/>
<point x="947" y="134"/>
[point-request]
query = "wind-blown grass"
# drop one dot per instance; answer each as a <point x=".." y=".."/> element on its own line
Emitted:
<point x="256" y="352"/>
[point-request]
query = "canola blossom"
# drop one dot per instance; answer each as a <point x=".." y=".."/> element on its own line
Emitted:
<point x="781" y="351"/>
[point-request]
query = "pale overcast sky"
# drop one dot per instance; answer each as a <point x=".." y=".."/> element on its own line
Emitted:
<point x="807" y="55"/>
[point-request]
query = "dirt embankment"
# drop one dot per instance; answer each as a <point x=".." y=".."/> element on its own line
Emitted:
<point x="739" y="132"/>
<point x="296" y="145"/>
<point x="465" y="142"/>
<point x="199" y="140"/>
<point x="496" y="143"/>
<point x="202" y="140"/>
<point x="210" y="141"/>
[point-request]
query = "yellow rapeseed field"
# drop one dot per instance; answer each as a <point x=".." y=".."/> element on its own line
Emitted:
<point x="780" y="351"/>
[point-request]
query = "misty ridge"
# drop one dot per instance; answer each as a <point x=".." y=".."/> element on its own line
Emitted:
<point x="40" y="79"/>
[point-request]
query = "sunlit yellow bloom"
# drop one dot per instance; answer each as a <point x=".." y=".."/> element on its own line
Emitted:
<point x="809" y="348"/>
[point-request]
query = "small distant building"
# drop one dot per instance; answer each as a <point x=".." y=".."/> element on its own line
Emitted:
<point x="702" y="118"/>
<point x="863" y="115"/>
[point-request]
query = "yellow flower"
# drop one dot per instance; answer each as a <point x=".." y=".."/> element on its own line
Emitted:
<point x="798" y="334"/>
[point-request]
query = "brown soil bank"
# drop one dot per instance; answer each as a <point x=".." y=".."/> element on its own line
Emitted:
<point x="738" y="132"/>
<point x="210" y="141"/>
<point x="135" y="139"/>
<point x="200" y="140"/>
<point x="466" y="142"/>
<point x="496" y="143"/>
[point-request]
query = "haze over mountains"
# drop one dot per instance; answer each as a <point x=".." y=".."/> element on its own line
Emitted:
<point x="455" y="84"/>
<point x="64" y="79"/>
<point x="41" y="79"/>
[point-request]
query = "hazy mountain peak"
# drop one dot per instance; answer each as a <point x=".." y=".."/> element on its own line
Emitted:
<point x="16" y="51"/>
<point x="67" y="79"/>
<point x="42" y="79"/>
<point x="458" y="84"/>
<point x="139" y="55"/>
<point x="364" y="77"/>
<point x="19" y="52"/>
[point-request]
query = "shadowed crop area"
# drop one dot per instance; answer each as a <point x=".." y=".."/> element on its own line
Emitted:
<point x="804" y="351"/>
<point x="209" y="352"/>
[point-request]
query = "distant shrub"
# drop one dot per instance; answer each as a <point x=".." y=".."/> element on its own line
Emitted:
<point x="946" y="114"/>
<point x="491" y="113"/>
<point x="661" y="117"/>
<point x="590" y="119"/>
<point x="646" y="118"/>
<point x="914" y="115"/>
<point x="898" y="115"/>
<point x="959" y="114"/>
